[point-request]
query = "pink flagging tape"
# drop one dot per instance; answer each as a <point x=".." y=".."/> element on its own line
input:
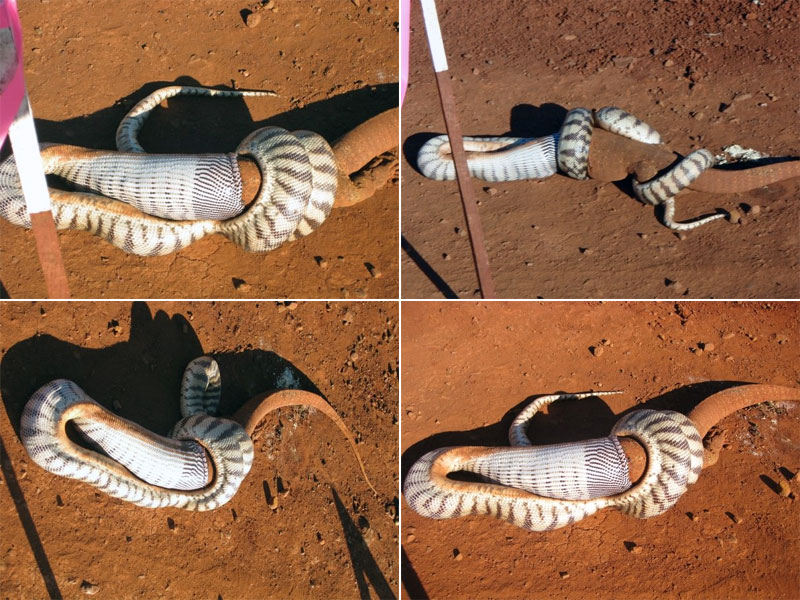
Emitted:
<point x="405" y="36"/>
<point x="12" y="83"/>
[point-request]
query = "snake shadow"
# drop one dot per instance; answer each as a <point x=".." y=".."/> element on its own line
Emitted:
<point x="565" y="421"/>
<point x="197" y="124"/>
<point x="139" y="377"/>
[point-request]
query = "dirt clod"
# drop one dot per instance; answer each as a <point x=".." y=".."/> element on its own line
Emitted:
<point x="253" y="19"/>
<point x="90" y="589"/>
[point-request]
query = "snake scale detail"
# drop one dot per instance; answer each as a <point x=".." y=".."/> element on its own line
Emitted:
<point x="512" y="159"/>
<point x="154" y="204"/>
<point x="199" y="466"/>
<point x="545" y="487"/>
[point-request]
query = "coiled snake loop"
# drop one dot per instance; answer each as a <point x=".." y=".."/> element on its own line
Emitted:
<point x="199" y="466"/>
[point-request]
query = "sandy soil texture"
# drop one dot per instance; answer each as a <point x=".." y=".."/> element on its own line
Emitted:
<point x="328" y="537"/>
<point x="705" y="75"/>
<point x="469" y="368"/>
<point x="332" y="64"/>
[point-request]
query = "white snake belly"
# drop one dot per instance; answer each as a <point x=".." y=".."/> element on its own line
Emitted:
<point x="511" y="159"/>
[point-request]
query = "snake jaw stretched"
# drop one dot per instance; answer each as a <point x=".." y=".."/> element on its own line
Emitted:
<point x="537" y="488"/>
<point x="177" y="199"/>
<point x="200" y="466"/>
<point x="621" y="145"/>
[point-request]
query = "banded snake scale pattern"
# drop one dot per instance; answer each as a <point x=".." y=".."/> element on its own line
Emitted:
<point x="155" y="204"/>
<point x="541" y="488"/>
<point x="576" y="151"/>
<point x="199" y="466"/>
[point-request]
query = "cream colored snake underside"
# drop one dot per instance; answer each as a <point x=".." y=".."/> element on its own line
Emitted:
<point x="545" y="487"/>
<point x="199" y="466"/>
<point x="150" y="204"/>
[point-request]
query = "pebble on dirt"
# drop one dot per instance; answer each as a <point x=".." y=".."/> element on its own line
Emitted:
<point x="252" y="19"/>
<point x="89" y="589"/>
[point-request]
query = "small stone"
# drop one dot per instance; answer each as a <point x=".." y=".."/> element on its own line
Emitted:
<point x="586" y="251"/>
<point x="570" y="37"/>
<point x="446" y="256"/>
<point x="675" y="286"/>
<point x="596" y="350"/>
<point x="252" y="19"/>
<point x="644" y="236"/>
<point x="528" y="263"/>
<point x="636" y="550"/>
<point x="490" y="190"/>
<point x="754" y="210"/>
<point x="457" y="554"/>
<point x="563" y="574"/>
<point x="751" y="16"/>
<point x="623" y="62"/>
<point x="291" y="305"/>
<point x="89" y="589"/>
<point x="734" y="216"/>
<point x="669" y="63"/>
<point x="707" y="347"/>
<point x="410" y="538"/>
<point x="693" y="516"/>
<point x="680" y="235"/>
<point x="354" y="356"/>
<point x="785" y="488"/>
<point x="476" y="71"/>
<point x="728" y="335"/>
<point x="735" y="518"/>
<point x="740" y="97"/>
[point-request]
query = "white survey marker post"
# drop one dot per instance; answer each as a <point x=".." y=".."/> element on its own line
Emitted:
<point x="434" y="32"/>
<point x="29" y="162"/>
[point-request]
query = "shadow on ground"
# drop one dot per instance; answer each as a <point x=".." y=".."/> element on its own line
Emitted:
<point x="197" y="124"/>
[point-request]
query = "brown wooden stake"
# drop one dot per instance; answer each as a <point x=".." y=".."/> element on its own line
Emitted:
<point x="44" y="232"/>
<point x="465" y="188"/>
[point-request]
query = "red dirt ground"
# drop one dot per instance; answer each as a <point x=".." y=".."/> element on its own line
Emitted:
<point x="468" y="369"/>
<point x="333" y="66"/>
<point x="330" y="537"/>
<point x="704" y="74"/>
